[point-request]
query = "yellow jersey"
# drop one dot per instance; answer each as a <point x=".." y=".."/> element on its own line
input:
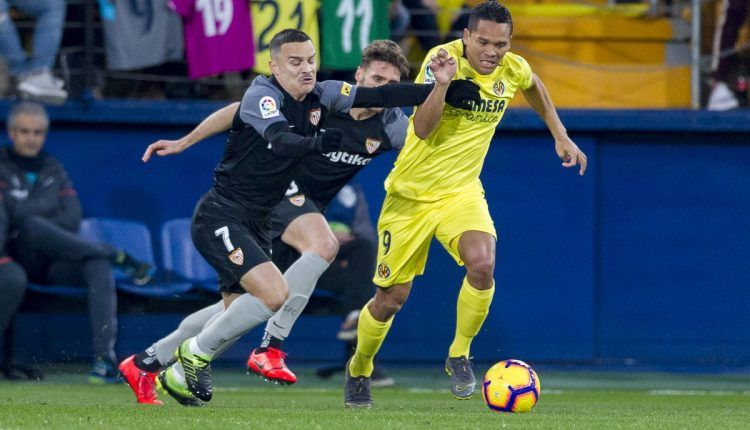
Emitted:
<point x="451" y="158"/>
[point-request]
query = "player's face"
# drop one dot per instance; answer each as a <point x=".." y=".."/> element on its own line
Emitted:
<point x="294" y="67"/>
<point x="28" y="134"/>
<point x="377" y="73"/>
<point x="486" y="45"/>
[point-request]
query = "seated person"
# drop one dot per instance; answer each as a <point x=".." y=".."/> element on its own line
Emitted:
<point x="39" y="218"/>
<point x="349" y="277"/>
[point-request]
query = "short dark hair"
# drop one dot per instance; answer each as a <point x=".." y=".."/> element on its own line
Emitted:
<point x="26" y="108"/>
<point x="490" y="10"/>
<point x="283" y="37"/>
<point x="386" y="51"/>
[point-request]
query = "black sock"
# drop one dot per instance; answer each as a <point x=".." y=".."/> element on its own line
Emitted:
<point x="147" y="361"/>
<point x="270" y="342"/>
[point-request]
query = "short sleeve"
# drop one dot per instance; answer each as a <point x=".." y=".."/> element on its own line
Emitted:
<point x="524" y="75"/>
<point x="261" y="106"/>
<point x="425" y="75"/>
<point x="395" y="123"/>
<point x="337" y="96"/>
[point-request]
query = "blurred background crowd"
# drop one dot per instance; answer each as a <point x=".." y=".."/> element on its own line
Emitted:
<point x="601" y="53"/>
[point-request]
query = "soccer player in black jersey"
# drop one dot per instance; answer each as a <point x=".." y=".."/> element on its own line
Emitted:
<point x="277" y="119"/>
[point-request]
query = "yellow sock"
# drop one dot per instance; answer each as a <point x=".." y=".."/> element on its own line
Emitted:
<point x="471" y="310"/>
<point x="370" y="335"/>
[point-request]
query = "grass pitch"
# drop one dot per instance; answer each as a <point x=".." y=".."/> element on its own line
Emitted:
<point x="419" y="400"/>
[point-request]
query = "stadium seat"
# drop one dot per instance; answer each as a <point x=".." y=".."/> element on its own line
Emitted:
<point x="59" y="290"/>
<point x="182" y="259"/>
<point x="134" y="238"/>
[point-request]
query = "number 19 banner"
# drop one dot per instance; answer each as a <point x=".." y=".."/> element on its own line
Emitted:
<point x="347" y="27"/>
<point x="272" y="16"/>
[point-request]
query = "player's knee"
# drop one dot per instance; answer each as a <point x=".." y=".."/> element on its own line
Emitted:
<point x="327" y="248"/>
<point x="480" y="264"/>
<point x="274" y="299"/>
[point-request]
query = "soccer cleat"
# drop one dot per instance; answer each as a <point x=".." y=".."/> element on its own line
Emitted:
<point x="141" y="382"/>
<point x="197" y="371"/>
<point x="270" y="365"/>
<point x="356" y="390"/>
<point x="167" y="383"/>
<point x="104" y="372"/>
<point x="141" y="273"/>
<point x="463" y="382"/>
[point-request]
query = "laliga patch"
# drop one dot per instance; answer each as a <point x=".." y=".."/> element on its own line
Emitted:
<point x="237" y="257"/>
<point x="499" y="88"/>
<point x="297" y="200"/>
<point x="267" y="106"/>
<point x="383" y="271"/>
<point x="372" y="144"/>
<point x="315" y="116"/>
<point x="346" y="89"/>
<point x="429" y="77"/>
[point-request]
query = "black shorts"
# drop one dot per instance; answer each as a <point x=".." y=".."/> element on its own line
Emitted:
<point x="231" y="244"/>
<point x="292" y="206"/>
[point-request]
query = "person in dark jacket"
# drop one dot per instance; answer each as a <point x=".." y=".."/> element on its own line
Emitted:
<point x="40" y="215"/>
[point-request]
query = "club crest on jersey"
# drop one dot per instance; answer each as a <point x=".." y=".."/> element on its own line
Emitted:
<point x="429" y="77"/>
<point x="372" y="144"/>
<point x="498" y="88"/>
<point x="297" y="200"/>
<point x="346" y="89"/>
<point x="237" y="256"/>
<point x="267" y="106"/>
<point x="384" y="271"/>
<point x="315" y="116"/>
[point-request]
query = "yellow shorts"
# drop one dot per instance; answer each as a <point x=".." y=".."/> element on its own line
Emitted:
<point x="406" y="228"/>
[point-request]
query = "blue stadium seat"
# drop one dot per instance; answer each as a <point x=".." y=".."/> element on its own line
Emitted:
<point x="135" y="239"/>
<point x="59" y="290"/>
<point x="182" y="259"/>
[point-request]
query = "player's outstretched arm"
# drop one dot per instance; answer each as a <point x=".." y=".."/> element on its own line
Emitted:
<point x="566" y="149"/>
<point x="428" y="114"/>
<point x="217" y="122"/>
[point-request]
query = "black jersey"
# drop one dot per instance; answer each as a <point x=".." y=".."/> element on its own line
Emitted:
<point x="321" y="176"/>
<point x="250" y="176"/>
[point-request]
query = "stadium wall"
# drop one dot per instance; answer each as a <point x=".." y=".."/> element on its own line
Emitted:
<point x="643" y="260"/>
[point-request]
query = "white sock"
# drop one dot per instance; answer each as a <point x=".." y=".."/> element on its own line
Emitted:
<point x="301" y="277"/>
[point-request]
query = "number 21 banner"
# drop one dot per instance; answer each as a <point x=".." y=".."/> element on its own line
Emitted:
<point x="347" y="27"/>
<point x="272" y="16"/>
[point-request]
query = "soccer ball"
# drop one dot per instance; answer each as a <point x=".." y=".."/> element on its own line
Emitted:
<point x="511" y="386"/>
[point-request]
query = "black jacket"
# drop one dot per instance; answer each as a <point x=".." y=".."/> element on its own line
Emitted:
<point x="51" y="196"/>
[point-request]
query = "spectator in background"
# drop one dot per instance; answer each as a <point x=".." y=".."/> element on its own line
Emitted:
<point x="424" y="22"/>
<point x="40" y="217"/>
<point x="728" y="22"/>
<point x="33" y="72"/>
<point x="399" y="17"/>
<point x="349" y="277"/>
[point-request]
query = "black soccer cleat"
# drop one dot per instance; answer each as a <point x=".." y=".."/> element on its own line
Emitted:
<point x="463" y="382"/>
<point x="197" y="372"/>
<point x="356" y="390"/>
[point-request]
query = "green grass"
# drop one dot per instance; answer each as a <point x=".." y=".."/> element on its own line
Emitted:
<point x="420" y="400"/>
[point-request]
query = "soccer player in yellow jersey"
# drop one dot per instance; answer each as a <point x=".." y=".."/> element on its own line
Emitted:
<point x="434" y="190"/>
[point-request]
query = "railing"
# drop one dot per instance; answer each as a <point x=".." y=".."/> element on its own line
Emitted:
<point x="82" y="59"/>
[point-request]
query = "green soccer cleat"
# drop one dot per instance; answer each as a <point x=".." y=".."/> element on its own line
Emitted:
<point x="197" y="371"/>
<point x="463" y="382"/>
<point x="168" y="384"/>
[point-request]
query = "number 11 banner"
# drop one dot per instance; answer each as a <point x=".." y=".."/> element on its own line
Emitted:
<point x="347" y="27"/>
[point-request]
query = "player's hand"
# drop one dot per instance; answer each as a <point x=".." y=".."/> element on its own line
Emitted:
<point x="164" y="147"/>
<point x="570" y="154"/>
<point x="463" y="94"/>
<point x="330" y="141"/>
<point x="443" y="67"/>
